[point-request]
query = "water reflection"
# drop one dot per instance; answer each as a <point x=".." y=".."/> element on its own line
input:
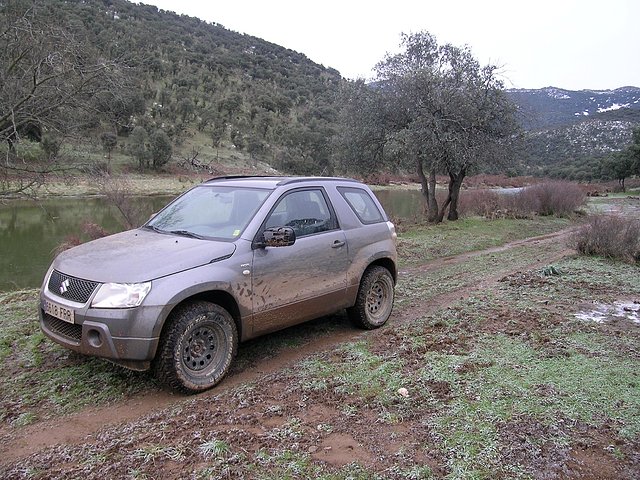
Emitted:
<point x="30" y="232"/>
<point x="402" y="204"/>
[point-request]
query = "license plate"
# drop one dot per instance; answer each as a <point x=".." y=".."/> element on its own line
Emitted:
<point x="58" y="311"/>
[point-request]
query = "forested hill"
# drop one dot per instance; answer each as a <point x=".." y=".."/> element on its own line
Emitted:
<point x="569" y="132"/>
<point x="109" y="76"/>
<point x="185" y="75"/>
<point x="553" y="107"/>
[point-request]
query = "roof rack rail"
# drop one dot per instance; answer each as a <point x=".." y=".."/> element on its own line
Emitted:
<point x="288" y="180"/>
<point x="283" y="179"/>
<point x="233" y="177"/>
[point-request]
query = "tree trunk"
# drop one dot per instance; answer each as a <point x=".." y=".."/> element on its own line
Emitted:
<point x="455" y="183"/>
<point x="428" y="189"/>
<point x="444" y="206"/>
<point x="432" y="212"/>
<point x="424" y="186"/>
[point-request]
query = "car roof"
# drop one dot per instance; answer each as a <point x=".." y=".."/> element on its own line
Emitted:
<point x="271" y="182"/>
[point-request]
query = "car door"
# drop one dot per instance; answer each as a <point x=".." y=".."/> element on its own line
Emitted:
<point x="307" y="279"/>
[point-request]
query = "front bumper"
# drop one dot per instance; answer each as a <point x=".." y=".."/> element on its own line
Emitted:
<point x="123" y="336"/>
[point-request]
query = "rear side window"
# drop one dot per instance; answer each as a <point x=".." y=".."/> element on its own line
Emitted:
<point x="362" y="204"/>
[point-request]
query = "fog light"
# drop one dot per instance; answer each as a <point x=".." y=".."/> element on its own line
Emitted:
<point x="94" y="338"/>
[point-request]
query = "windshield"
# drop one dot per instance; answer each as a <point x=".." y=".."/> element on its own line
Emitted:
<point x="210" y="211"/>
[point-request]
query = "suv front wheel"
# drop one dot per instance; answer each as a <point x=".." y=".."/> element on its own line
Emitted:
<point x="375" y="299"/>
<point x="197" y="348"/>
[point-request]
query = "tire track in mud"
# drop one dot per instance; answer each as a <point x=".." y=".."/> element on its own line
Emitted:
<point x="84" y="425"/>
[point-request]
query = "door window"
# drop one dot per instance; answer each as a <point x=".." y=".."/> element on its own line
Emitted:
<point x="306" y="211"/>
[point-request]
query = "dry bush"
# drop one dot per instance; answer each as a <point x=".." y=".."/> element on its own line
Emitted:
<point x="551" y="198"/>
<point x="91" y="230"/>
<point x="609" y="236"/>
<point x="484" y="203"/>
<point x="493" y="204"/>
<point x="117" y="191"/>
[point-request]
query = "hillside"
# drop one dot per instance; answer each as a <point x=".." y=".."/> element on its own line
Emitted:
<point x="190" y="78"/>
<point x="553" y="107"/>
<point x="229" y="102"/>
<point x="566" y="131"/>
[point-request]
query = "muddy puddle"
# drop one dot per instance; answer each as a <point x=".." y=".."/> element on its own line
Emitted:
<point x="628" y="310"/>
<point x="626" y="207"/>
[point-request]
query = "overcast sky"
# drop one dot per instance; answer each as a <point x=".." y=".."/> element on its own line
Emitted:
<point x="570" y="44"/>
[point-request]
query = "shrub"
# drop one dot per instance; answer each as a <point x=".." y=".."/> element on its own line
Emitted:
<point x="551" y="198"/>
<point x="50" y="146"/>
<point x="609" y="236"/>
<point x="485" y="203"/>
<point x="160" y="149"/>
<point x="90" y="230"/>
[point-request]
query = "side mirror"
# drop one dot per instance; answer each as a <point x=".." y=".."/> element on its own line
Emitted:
<point x="277" y="237"/>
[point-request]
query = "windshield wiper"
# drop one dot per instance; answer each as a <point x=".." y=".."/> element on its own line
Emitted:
<point x="154" y="228"/>
<point x="186" y="233"/>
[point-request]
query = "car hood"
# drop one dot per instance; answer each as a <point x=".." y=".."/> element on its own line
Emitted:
<point x="138" y="256"/>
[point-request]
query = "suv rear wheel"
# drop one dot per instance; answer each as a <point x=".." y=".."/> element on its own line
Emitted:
<point x="375" y="299"/>
<point x="197" y="348"/>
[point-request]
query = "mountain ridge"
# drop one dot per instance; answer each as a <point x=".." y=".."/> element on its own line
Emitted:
<point x="567" y="132"/>
<point x="553" y="106"/>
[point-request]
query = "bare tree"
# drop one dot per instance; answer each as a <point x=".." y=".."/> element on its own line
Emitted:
<point x="48" y="82"/>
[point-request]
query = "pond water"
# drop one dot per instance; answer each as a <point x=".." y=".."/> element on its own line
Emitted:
<point x="30" y="232"/>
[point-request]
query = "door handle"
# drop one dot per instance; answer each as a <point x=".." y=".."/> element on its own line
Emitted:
<point x="338" y="244"/>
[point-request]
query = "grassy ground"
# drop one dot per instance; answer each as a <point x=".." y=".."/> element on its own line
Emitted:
<point x="42" y="380"/>
<point x="137" y="184"/>
<point x="83" y="161"/>
<point x="421" y="244"/>
<point x="502" y="381"/>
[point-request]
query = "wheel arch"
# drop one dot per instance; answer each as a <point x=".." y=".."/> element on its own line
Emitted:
<point x="219" y="297"/>
<point x="387" y="263"/>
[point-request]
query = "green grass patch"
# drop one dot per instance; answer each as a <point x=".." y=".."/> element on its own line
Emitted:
<point x="421" y="244"/>
<point x="516" y="381"/>
<point x="371" y="377"/>
<point x="431" y="284"/>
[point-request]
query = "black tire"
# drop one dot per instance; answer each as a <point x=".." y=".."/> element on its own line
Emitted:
<point x="375" y="299"/>
<point x="196" y="348"/>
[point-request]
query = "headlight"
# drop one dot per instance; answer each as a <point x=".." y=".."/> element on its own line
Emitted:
<point x="121" y="295"/>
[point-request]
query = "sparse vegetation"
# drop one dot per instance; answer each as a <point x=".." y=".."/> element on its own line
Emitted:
<point x="486" y="369"/>
<point x="552" y="198"/>
<point x="610" y="236"/>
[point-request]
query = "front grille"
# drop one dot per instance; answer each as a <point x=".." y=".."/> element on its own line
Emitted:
<point x="70" y="331"/>
<point x="71" y="288"/>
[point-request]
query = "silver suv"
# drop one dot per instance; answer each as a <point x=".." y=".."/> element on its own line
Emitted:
<point x="229" y="260"/>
